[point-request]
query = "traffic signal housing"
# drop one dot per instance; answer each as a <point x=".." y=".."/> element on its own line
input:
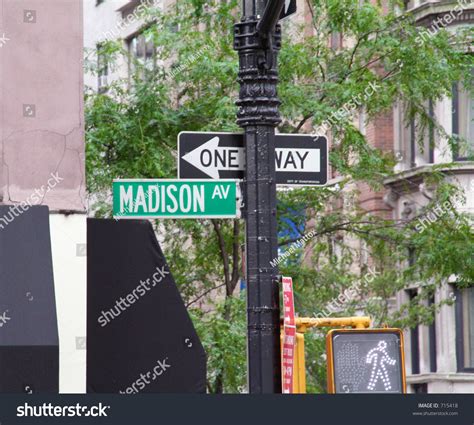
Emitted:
<point x="365" y="361"/>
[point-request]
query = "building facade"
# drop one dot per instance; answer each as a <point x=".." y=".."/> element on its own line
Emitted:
<point x="440" y="357"/>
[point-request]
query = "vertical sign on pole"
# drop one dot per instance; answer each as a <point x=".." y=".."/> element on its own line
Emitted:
<point x="289" y="336"/>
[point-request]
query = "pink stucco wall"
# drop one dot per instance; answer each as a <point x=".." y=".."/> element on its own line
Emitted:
<point x="41" y="65"/>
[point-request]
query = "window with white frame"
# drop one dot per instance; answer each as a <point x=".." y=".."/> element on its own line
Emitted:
<point x="142" y="52"/>
<point x="417" y="137"/>
<point x="465" y="329"/>
<point x="102" y="70"/>
<point x="463" y="122"/>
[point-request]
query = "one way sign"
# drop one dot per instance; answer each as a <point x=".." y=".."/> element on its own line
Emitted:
<point x="288" y="9"/>
<point x="300" y="159"/>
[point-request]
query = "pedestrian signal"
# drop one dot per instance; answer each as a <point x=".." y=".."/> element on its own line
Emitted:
<point x="365" y="361"/>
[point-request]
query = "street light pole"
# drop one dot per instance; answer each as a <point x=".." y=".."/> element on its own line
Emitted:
<point x="257" y="41"/>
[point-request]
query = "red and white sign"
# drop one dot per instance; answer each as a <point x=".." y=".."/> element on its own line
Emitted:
<point x="289" y="336"/>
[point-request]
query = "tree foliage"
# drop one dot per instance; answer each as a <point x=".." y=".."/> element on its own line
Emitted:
<point x="132" y="132"/>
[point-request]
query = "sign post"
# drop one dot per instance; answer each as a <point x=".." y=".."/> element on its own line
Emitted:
<point x="163" y="198"/>
<point x="257" y="42"/>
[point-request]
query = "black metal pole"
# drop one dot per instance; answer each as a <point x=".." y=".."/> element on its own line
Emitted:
<point x="258" y="115"/>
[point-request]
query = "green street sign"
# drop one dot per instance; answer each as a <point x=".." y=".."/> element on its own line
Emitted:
<point x="162" y="198"/>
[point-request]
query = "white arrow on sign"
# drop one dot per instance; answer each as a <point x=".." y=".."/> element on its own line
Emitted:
<point x="210" y="158"/>
<point x="287" y="5"/>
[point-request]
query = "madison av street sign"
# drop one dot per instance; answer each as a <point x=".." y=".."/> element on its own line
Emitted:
<point x="175" y="198"/>
<point x="300" y="159"/>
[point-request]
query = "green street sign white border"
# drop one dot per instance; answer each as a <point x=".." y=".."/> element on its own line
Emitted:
<point x="238" y="201"/>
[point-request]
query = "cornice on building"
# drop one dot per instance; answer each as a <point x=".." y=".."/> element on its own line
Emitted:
<point x="426" y="13"/>
<point x="415" y="176"/>
<point x="440" y="377"/>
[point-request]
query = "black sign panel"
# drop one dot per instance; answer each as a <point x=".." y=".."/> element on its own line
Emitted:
<point x="140" y="338"/>
<point x="366" y="361"/>
<point x="300" y="159"/>
<point x="289" y="8"/>
<point x="29" y="343"/>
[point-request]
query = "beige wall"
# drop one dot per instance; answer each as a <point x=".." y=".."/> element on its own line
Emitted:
<point x="42" y="147"/>
<point x="41" y="103"/>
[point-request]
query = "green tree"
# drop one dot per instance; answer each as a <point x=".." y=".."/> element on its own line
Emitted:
<point x="132" y="131"/>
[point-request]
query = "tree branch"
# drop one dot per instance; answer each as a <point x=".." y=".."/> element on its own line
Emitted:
<point x="223" y="251"/>
<point x="204" y="294"/>
<point x="235" y="257"/>
<point x="302" y="122"/>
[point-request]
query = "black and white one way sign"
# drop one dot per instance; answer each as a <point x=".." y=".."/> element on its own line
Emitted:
<point x="300" y="159"/>
<point x="289" y="8"/>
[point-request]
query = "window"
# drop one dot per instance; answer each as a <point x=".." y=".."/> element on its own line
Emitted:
<point x="102" y="70"/>
<point x="463" y="122"/>
<point x="143" y="53"/>
<point x="414" y="341"/>
<point x="431" y="138"/>
<point x="412" y="144"/>
<point x="411" y="256"/>
<point x="419" y="338"/>
<point x="418" y="141"/>
<point x="420" y="388"/>
<point x="432" y="338"/>
<point x="129" y="9"/>
<point x="336" y="40"/>
<point x="363" y="121"/>
<point x="465" y="329"/>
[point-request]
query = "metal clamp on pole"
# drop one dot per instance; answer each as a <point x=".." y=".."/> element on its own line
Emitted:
<point x="270" y="17"/>
<point x="265" y="29"/>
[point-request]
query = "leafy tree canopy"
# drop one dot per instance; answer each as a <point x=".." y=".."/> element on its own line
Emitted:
<point x="132" y="131"/>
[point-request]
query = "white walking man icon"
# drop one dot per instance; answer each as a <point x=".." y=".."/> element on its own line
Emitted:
<point x="379" y="357"/>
